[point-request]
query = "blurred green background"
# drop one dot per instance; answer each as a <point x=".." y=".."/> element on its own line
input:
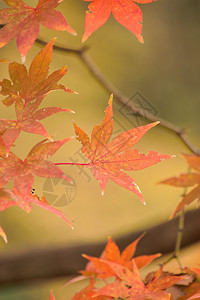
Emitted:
<point x="164" y="73"/>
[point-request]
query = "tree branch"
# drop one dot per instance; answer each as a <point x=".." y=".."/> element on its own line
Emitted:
<point x="82" y="53"/>
<point x="45" y="263"/>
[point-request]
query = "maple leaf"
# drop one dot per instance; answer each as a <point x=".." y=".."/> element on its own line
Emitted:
<point x="88" y="293"/>
<point x="35" y="83"/>
<point x="23" y="22"/>
<point x="23" y="171"/>
<point x="10" y="198"/>
<point x="109" y="158"/>
<point x="28" y="118"/>
<point x="99" y="268"/>
<point x="3" y="235"/>
<point x="187" y="180"/>
<point x="132" y="287"/>
<point x="126" y="12"/>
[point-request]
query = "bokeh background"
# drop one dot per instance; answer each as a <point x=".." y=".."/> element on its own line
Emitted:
<point x="164" y="73"/>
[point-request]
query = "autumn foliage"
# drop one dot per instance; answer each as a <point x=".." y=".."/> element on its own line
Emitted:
<point x="108" y="159"/>
<point x="187" y="180"/>
<point x="23" y="22"/>
<point x="126" y="282"/>
<point x="126" y="12"/>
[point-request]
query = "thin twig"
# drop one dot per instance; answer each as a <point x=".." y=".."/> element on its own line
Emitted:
<point x="82" y="53"/>
<point x="179" y="238"/>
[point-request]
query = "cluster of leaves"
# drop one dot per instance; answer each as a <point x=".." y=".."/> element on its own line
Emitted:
<point x="187" y="180"/>
<point x="26" y="90"/>
<point x="108" y="159"/>
<point x="23" y="21"/>
<point x="121" y="279"/>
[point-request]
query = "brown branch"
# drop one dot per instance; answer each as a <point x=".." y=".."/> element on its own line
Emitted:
<point x="45" y="263"/>
<point x="82" y="53"/>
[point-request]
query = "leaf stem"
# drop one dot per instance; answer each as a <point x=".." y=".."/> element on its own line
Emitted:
<point x="72" y="164"/>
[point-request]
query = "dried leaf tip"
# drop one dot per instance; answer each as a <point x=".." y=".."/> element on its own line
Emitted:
<point x="111" y="99"/>
<point x="156" y="123"/>
<point x="3" y="235"/>
<point x="51" y="295"/>
<point x="23" y="59"/>
<point x="140" y="39"/>
<point x="74" y="33"/>
<point x="5" y="238"/>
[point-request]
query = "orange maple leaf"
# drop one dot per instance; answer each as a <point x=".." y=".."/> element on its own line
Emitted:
<point x="88" y="293"/>
<point x="23" y="22"/>
<point x="10" y="198"/>
<point x="109" y="158"/>
<point x="35" y="83"/>
<point x="126" y="12"/>
<point x="23" y="171"/>
<point x="100" y="269"/>
<point x="28" y="120"/>
<point x="187" y="180"/>
<point x="129" y="284"/>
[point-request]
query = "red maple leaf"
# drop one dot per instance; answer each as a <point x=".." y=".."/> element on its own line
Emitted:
<point x="35" y="83"/>
<point x="100" y="269"/>
<point x="126" y="12"/>
<point x="187" y="180"/>
<point x="10" y="198"/>
<point x="28" y="120"/>
<point x="23" y="22"/>
<point x="23" y="171"/>
<point x="109" y="158"/>
<point x="129" y="284"/>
